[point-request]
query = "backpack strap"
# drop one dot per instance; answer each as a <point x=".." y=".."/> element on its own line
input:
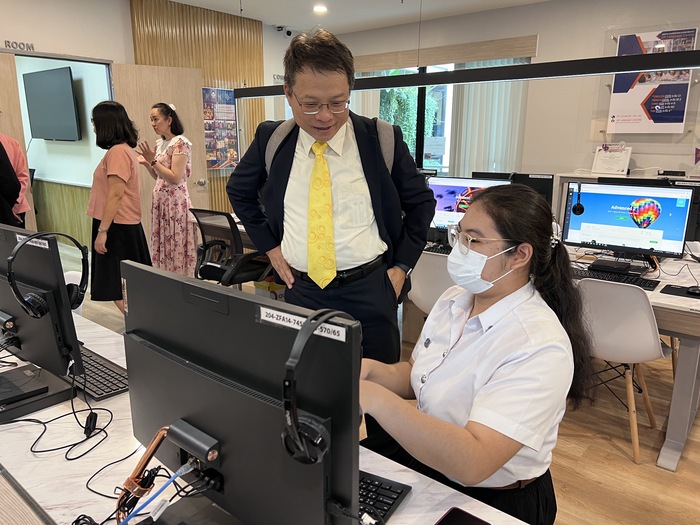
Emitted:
<point x="385" y="133"/>
<point x="275" y="140"/>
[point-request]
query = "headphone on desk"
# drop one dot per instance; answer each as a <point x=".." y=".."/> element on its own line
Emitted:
<point x="34" y="304"/>
<point x="304" y="438"/>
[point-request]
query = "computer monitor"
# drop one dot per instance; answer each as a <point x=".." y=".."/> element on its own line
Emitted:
<point x="634" y="221"/>
<point x="48" y="344"/>
<point x="215" y="358"/>
<point x="693" y="233"/>
<point x="453" y="196"/>
<point x="491" y="175"/>
<point x="634" y="181"/>
<point x="542" y="183"/>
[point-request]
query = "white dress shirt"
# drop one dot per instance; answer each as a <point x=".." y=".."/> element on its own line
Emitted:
<point x="356" y="236"/>
<point x="508" y="368"/>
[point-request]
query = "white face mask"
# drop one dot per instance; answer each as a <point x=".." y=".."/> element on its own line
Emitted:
<point x="465" y="270"/>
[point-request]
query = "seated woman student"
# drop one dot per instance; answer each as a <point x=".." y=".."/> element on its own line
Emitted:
<point x="493" y="367"/>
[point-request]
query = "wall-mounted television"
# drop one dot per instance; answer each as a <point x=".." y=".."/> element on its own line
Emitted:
<point x="51" y="104"/>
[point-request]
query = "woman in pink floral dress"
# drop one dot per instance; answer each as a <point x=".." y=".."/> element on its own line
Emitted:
<point x="173" y="230"/>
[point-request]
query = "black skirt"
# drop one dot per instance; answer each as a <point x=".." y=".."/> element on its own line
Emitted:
<point x="125" y="242"/>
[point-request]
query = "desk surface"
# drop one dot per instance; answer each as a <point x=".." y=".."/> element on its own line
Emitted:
<point x="58" y="485"/>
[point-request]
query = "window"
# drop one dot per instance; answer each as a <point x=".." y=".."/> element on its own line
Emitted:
<point x="465" y="128"/>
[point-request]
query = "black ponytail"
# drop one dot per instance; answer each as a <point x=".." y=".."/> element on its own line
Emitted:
<point x="520" y="213"/>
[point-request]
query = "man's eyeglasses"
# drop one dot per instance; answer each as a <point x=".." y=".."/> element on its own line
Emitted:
<point x="465" y="241"/>
<point x="313" y="108"/>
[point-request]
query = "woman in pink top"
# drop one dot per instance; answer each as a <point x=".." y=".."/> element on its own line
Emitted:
<point x="173" y="230"/>
<point x="115" y="203"/>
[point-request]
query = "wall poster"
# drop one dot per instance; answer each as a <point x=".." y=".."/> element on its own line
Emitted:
<point x="653" y="101"/>
<point x="220" y="131"/>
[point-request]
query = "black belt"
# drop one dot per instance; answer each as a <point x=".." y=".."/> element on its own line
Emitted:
<point x="346" y="276"/>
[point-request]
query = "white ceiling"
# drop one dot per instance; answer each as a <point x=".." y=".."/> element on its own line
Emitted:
<point x="346" y="16"/>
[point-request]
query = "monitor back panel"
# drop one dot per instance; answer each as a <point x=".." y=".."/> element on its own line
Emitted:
<point x="262" y="484"/>
<point x="247" y="338"/>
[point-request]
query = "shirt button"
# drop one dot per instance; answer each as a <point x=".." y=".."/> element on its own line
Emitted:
<point x="423" y="378"/>
<point x="444" y="354"/>
<point x="427" y="342"/>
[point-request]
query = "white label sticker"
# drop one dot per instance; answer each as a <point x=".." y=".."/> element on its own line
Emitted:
<point x="39" y="243"/>
<point x="296" y="321"/>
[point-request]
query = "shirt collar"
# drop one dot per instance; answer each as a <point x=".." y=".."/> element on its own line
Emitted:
<point x="335" y="144"/>
<point x="496" y="312"/>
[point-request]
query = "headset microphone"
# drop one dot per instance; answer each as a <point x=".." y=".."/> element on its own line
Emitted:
<point x="304" y="438"/>
<point x="577" y="209"/>
<point x="34" y="304"/>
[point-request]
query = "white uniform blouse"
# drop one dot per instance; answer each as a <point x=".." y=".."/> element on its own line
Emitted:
<point x="509" y="368"/>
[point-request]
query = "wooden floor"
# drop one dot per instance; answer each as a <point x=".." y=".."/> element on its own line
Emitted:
<point x="595" y="479"/>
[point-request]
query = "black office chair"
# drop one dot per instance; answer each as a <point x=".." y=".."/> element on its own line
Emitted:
<point x="220" y="257"/>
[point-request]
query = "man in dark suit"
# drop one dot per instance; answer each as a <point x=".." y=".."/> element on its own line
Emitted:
<point x="378" y="221"/>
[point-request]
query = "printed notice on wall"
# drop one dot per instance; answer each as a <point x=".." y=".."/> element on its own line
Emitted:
<point x="220" y="137"/>
<point x="651" y="101"/>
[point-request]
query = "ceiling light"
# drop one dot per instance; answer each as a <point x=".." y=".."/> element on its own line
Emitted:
<point x="320" y="9"/>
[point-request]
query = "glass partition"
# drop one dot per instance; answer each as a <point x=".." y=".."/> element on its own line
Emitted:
<point x="561" y="121"/>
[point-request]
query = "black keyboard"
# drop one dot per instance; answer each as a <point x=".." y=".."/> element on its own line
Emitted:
<point x="103" y="378"/>
<point x="380" y="496"/>
<point x="646" y="284"/>
<point x="443" y="249"/>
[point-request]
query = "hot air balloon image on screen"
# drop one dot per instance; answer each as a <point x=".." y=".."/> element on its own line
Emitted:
<point x="644" y="212"/>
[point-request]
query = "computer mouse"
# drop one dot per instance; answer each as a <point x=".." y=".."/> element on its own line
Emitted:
<point x="693" y="290"/>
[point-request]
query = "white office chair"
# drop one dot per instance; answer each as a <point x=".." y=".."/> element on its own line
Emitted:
<point x="624" y="331"/>
<point x="429" y="279"/>
<point x="73" y="277"/>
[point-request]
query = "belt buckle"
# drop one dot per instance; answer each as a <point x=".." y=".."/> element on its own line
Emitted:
<point x="343" y="276"/>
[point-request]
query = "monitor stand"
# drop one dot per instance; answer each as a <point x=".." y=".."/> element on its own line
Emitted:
<point x="27" y="388"/>
<point x="197" y="510"/>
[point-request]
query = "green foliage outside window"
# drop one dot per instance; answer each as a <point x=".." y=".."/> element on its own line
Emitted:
<point x="399" y="106"/>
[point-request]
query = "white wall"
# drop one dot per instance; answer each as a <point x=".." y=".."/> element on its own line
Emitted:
<point x="61" y="161"/>
<point x="274" y="45"/>
<point x="77" y="28"/>
<point x="87" y="29"/>
<point x="561" y="125"/>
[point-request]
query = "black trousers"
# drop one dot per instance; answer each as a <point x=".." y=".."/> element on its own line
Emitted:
<point x="371" y="300"/>
<point x="536" y="503"/>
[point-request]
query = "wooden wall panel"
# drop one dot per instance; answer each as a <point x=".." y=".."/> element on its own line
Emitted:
<point x="68" y="217"/>
<point x="227" y="49"/>
<point x="138" y="88"/>
<point x="516" y="47"/>
<point x="11" y="118"/>
<point x="217" y="190"/>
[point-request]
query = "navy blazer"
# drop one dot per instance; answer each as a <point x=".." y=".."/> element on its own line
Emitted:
<point x="403" y="204"/>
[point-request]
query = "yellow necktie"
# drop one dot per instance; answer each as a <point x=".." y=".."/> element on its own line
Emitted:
<point x="321" y="250"/>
